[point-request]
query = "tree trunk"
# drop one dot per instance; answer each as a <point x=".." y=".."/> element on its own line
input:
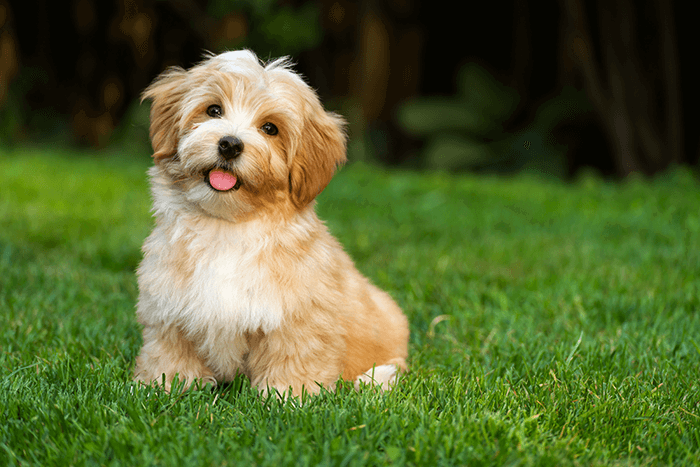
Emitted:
<point x="638" y="106"/>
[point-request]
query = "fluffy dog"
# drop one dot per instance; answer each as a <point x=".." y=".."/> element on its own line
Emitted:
<point x="239" y="274"/>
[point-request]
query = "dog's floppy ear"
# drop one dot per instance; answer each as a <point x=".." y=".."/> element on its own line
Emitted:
<point x="320" y="150"/>
<point x="165" y="93"/>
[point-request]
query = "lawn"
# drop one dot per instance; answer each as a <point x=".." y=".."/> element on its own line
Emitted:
<point x="551" y="324"/>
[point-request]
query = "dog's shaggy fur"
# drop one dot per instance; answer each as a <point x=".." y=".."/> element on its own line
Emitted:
<point x="240" y="275"/>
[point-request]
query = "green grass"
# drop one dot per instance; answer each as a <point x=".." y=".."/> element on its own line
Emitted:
<point x="551" y="324"/>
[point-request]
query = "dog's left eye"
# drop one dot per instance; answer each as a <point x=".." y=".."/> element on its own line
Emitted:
<point x="214" y="111"/>
<point x="270" y="129"/>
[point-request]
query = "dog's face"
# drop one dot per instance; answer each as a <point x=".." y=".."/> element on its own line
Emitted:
<point x="235" y="137"/>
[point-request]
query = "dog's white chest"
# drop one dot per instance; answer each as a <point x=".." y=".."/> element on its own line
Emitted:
<point x="235" y="291"/>
<point x="210" y="285"/>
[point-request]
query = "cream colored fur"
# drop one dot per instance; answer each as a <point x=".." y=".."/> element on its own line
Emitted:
<point x="250" y="280"/>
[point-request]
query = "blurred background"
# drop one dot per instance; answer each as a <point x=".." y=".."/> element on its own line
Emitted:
<point x="498" y="86"/>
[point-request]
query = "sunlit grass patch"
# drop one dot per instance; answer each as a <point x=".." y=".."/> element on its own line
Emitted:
<point x="552" y="324"/>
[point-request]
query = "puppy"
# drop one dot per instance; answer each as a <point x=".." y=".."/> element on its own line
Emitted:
<point x="239" y="274"/>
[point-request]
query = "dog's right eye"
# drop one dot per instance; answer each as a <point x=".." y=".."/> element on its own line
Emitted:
<point x="214" y="111"/>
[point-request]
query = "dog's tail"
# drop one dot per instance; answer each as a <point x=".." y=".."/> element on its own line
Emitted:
<point x="384" y="376"/>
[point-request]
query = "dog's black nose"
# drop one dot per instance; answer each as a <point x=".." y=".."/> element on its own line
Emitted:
<point x="230" y="147"/>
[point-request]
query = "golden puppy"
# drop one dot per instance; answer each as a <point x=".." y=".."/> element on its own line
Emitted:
<point x="239" y="274"/>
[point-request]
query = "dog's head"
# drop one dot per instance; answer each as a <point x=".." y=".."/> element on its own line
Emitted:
<point x="235" y="136"/>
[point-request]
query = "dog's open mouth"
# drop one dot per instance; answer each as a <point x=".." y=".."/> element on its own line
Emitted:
<point x="222" y="180"/>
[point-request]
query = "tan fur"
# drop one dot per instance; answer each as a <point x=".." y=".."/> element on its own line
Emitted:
<point x="250" y="280"/>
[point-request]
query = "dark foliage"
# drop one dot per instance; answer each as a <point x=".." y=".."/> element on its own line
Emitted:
<point x="609" y="85"/>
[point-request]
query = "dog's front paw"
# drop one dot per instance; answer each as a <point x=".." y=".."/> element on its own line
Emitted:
<point x="289" y="390"/>
<point x="178" y="382"/>
<point x="170" y="361"/>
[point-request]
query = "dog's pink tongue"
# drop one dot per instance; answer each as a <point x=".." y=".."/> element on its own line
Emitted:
<point x="221" y="180"/>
